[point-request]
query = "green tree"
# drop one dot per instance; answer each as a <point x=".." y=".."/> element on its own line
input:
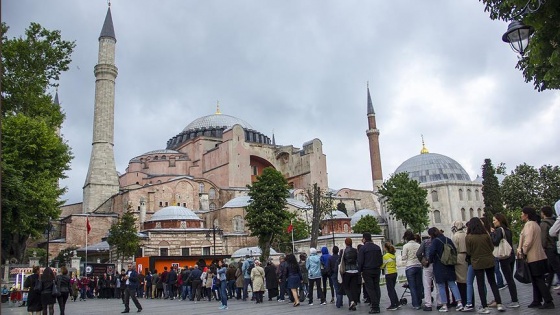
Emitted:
<point x="549" y="178"/>
<point x="541" y="63"/>
<point x="124" y="236"/>
<point x="491" y="190"/>
<point x="527" y="186"/>
<point x="34" y="155"/>
<point x="267" y="212"/>
<point x="406" y="201"/>
<point x="367" y="224"/>
<point x="283" y="241"/>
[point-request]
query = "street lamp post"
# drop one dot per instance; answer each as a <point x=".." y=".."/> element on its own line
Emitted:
<point x="518" y="34"/>
<point x="215" y="230"/>
<point x="48" y="232"/>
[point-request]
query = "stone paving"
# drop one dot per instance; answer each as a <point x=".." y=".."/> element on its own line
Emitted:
<point x="114" y="306"/>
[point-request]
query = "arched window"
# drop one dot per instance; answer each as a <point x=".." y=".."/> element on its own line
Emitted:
<point x="469" y="195"/>
<point x="479" y="212"/>
<point x="345" y="228"/>
<point x="212" y="193"/>
<point x="201" y="188"/>
<point x="163" y="157"/>
<point x="437" y="216"/>
<point x="471" y="212"/>
<point x="238" y="224"/>
<point x="156" y="158"/>
<point x="434" y="196"/>
<point x="477" y="195"/>
<point x="463" y="214"/>
<point x="461" y="197"/>
<point x="212" y="206"/>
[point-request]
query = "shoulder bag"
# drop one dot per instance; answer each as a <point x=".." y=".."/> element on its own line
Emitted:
<point x="503" y="250"/>
<point x="522" y="272"/>
<point x="55" y="288"/>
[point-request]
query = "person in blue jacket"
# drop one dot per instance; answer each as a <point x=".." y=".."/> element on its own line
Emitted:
<point x="326" y="272"/>
<point x="313" y="265"/>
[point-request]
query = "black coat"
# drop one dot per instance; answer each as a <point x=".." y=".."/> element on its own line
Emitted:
<point x="271" y="277"/>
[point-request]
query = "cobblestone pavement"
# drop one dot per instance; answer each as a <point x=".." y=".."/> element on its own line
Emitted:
<point x="114" y="306"/>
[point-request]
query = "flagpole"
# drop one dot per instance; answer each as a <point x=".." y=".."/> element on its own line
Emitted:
<point x="293" y="245"/>
<point x="85" y="265"/>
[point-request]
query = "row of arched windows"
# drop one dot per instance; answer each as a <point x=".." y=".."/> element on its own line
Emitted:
<point x="435" y="197"/>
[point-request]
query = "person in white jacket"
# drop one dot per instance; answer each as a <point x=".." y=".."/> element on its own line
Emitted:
<point x="555" y="228"/>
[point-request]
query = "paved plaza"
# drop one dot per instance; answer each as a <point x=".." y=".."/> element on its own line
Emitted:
<point x="114" y="306"/>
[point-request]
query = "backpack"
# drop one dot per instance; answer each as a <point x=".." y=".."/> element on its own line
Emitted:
<point x="449" y="255"/>
<point x="251" y="266"/>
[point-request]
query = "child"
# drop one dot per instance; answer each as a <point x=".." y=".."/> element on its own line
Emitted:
<point x="390" y="268"/>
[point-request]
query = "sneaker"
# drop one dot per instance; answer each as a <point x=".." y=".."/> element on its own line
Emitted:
<point x="556" y="286"/>
<point x="281" y="301"/>
<point x="492" y="304"/>
<point x="501" y="308"/>
<point x="427" y="309"/>
<point x="547" y="306"/>
<point x="393" y="308"/>
<point x="534" y="305"/>
<point x="323" y="303"/>
<point x="459" y="307"/>
<point x="483" y="310"/>
<point x="332" y="300"/>
<point x="503" y="287"/>
<point x="222" y="307"/>
<point x="513" y="305"/>
<point x="443" y="309"/>
<point x="468" y="308"/>
<point x="310" y="303"/>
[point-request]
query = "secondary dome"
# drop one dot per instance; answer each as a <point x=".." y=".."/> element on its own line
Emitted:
<point x="431" y="167"/>
<point x="216" y="121"/>
<point x="362" y="213"/>
<point x="174" y="213"/>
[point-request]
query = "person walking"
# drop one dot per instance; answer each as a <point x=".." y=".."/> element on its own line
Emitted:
<point x="47" y="299"/>
<point x="443" y="273"/>
<point x="351" y="277"/>
<point x="530" y="248"/>
<point x="63" y="282"/>
<point x="326" y="272"/>
<point x="480" y="248"/>
<point x="294" y="277"/>
<point x="75" y="290"/>
<point x="257" y="280"/>
<point x="313" y="265"/>
<point x="370" y="260"/>
<point x="281" y="276"/>
<point x="501" y="231"/>
<point x="413" y="269"/>
<point x="34" y="306"/>
<point x="131" y="282"/>
<point x="390" y="269"/>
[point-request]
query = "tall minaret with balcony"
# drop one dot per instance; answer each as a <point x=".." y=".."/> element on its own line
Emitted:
<point x="373" y="137"/>
<point x="102" y="180"/>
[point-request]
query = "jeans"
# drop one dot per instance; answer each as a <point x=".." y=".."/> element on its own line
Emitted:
<point x="325" y="278"/>
<point x="481" y="286"/>
<point x="414" y="278"/>
<point x="371" y="281"/>
<point x="454" y="290"/>
<point x="499" y="278"/>
<point x="282" y="294"/>
<point x="470" y="286"/>
<point x="246" y="284"/>
<point x="231" y="288"/>
<point x="391" y="282"/>
<point x="337" y="292"/>
<point x="223" y="292"/>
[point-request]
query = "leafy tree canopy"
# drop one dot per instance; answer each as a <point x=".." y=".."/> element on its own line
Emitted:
<point x="34" y="155"/>
<point x="341" y="206"/>
<point x="267" y="212"/>
<point x="283" y="241"/>
<point x="124" y="236"/>
<point x="527" y="186"/>
<point x="541" y="63"/>
<point x="406" y="201"/>
<point x="367" y="224"/>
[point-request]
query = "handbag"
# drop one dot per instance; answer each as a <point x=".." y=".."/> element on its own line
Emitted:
<point x="503" y="250"/>
<point x="522" y="272"/>
<point x="55" y="289"/>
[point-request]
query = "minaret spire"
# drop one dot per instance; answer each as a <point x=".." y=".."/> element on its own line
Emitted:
<point x="102" y="181"/>
<point x="424" y="149"/>
<point x="218" y="108"/>
<point x="373" y="137"/>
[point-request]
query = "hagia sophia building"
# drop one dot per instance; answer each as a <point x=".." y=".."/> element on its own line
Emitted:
<point x="184" y="191"/>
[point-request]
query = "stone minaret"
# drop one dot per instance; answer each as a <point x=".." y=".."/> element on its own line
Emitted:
<point x="102" y="180"/>
<point x="373" y="137"/>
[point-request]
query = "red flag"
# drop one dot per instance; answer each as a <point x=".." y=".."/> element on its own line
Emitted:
<point x="290" y="228"/>
<point x="88" y="226"/>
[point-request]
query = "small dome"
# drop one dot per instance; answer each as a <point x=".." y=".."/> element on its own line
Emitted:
<point x="362" y="213"/>
<point x="432" y="167"/>
<point x="174" y="213"/>
<point x="336" y="214"/>
<point x="251" y="251"/>
<point x="216" y="121"/>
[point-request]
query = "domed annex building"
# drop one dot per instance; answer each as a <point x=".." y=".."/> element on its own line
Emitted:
<point x="452" y="195"/>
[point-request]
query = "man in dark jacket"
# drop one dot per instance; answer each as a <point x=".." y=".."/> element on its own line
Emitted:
<point x="281" y="274"/>
<point x="196" y="273"/>
<point x="164" y="282"/>
<point x="370" y="259"/>
<point x="131" y="281"/>
<point x="333" y="271"/>
<point x="172" y="283"/>
<point x="549" y="244"/>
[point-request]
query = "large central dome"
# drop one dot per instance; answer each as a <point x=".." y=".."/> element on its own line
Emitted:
<point x="216" y="121"/>
<point x="431" y="167"/>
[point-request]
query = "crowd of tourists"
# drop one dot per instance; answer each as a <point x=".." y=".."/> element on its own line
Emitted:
<point x="446" y="266"/>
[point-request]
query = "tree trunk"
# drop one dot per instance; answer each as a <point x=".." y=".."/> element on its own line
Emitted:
<point x="16" y="247"/>
<point x="315" y="202"/>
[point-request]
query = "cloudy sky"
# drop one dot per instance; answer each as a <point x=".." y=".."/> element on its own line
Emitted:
<point x="299" y="69"/>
